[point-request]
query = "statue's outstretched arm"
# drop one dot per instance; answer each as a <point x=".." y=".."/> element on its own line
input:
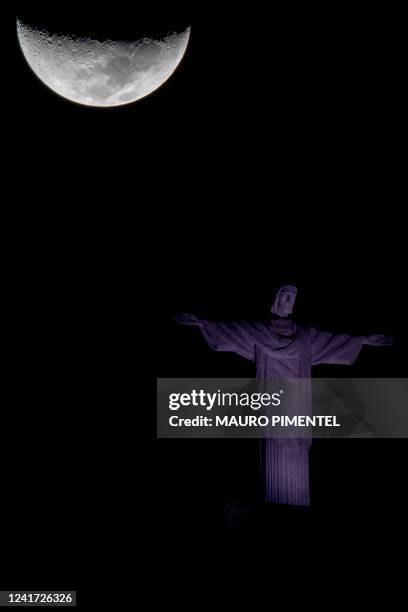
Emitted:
<point x="233" y="336"/>
<point x="379" y="340"/>
<point x="188" y="319"/>
<point x="341" y="349"/>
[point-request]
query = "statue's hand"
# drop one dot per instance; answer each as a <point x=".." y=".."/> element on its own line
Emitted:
<point x="378" y="340"/>
<point x="187" y="319"/>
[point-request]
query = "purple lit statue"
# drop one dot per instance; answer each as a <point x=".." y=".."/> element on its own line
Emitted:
<point x="282" y="349"/>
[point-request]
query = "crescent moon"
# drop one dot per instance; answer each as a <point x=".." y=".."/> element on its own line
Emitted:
<point x="101" y="73"/>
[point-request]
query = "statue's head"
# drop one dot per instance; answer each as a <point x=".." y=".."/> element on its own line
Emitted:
<point x="284" y="301"/>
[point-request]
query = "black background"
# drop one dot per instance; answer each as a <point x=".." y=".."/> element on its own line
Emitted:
<point x="273" y="155"/>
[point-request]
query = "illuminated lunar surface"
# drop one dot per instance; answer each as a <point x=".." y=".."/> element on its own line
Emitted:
<point x="101" y="73"/>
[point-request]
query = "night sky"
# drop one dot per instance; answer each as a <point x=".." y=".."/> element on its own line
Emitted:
<point x="273" y="155"/>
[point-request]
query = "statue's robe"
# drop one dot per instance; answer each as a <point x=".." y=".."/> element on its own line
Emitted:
<point x="282" y="349"/>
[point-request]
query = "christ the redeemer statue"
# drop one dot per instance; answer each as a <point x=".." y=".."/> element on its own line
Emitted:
<point x="280" y="348"/>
